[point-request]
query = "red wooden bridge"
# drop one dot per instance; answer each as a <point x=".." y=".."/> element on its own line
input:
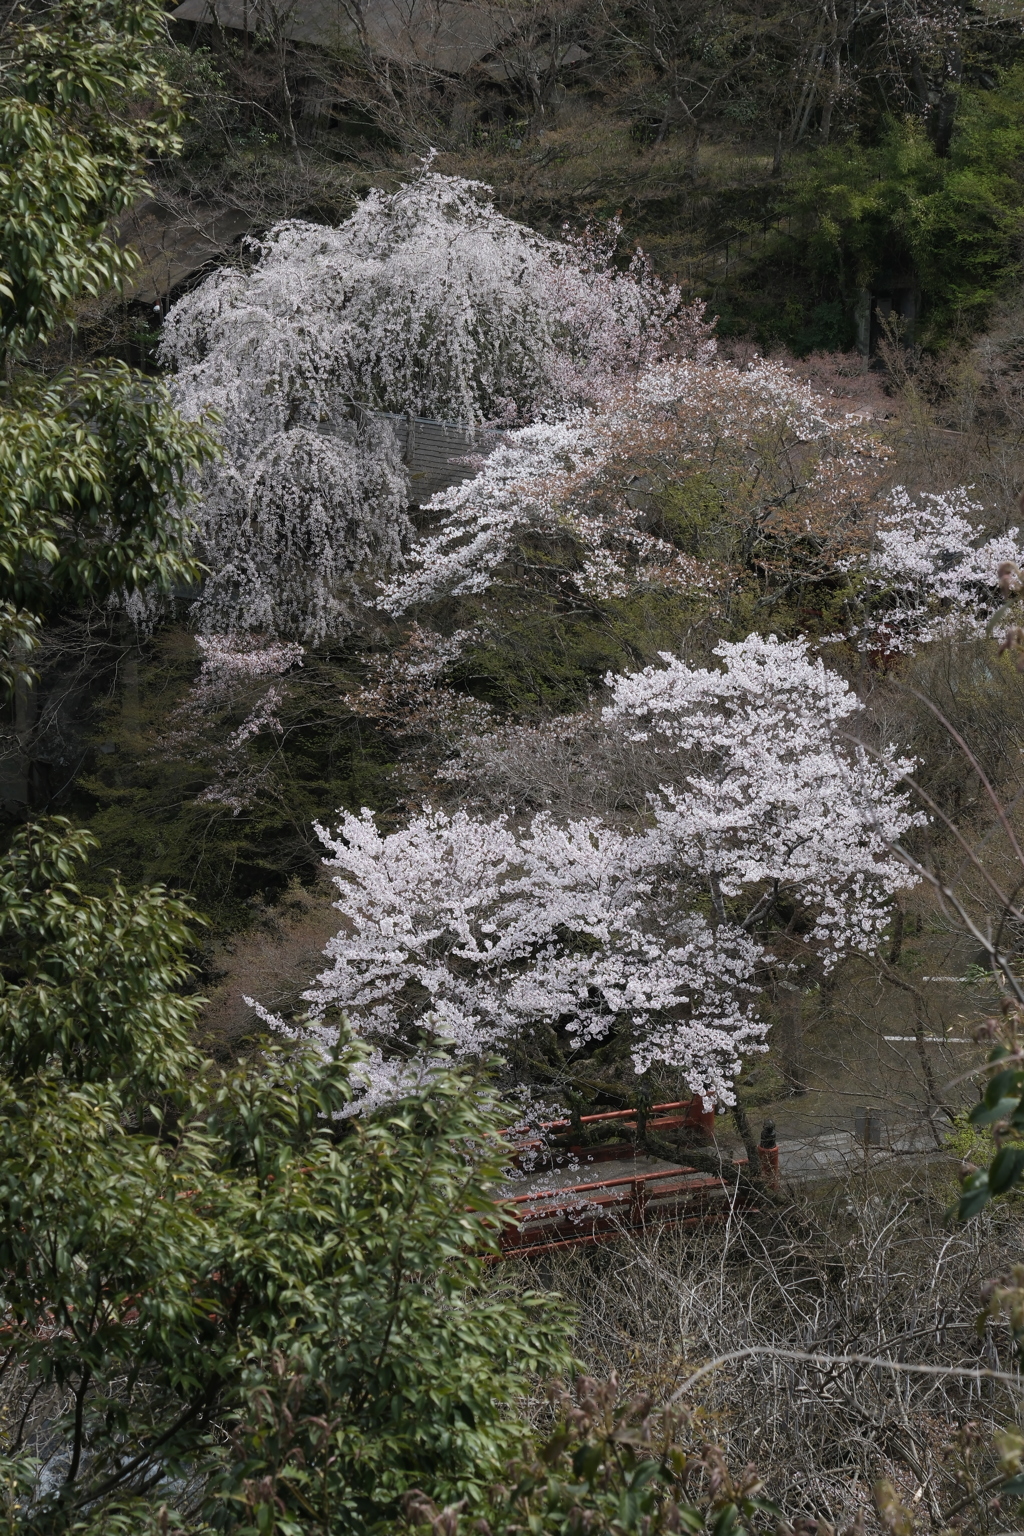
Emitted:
<point x="600" y="1210"/>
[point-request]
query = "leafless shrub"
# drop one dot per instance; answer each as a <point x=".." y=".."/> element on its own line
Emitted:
<point x="873" y="1268"/>
<point x="275" y="961"/>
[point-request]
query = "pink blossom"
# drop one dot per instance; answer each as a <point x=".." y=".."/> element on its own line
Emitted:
<point x="426" y="300"/>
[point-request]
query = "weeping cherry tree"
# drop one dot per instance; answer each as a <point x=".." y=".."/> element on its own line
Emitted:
<point x="426" y="300"/>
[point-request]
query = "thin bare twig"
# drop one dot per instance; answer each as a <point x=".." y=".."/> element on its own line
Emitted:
<point x="969" y="1373"/>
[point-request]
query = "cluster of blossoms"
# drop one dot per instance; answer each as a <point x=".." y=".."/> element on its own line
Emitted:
<point x="766" y="800"/>
<point x="611" y="325"/>
<point x="470" y="930"/>
<point x="229" y="664"/>
<point x="494" y="931"/>
<point x="405" y="692"/>
<point x="589" y="476"/>
<point x="929" y="573"/>
<point x="235" y="675"/>
<point x="931" y="28"/>
<point x="426" y="301"/>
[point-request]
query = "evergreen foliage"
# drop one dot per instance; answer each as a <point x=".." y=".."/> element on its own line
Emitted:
<point x="611" y="1464"/>
<point x="175" y="1238"/>
<point x="93" y="461"/>
<point x="947" y="221"/>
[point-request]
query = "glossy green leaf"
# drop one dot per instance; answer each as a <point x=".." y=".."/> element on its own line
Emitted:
<point x="1006" y="1169"/>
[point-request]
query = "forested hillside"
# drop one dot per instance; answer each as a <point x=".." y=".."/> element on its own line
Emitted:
<point x="512" y="650"/>
<point x="783" y="157"/>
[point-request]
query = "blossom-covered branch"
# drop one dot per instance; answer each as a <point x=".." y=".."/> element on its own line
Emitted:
<point x="766" y="842"/>
<point x="406" y="694"/>
<point x="931" y="572"/>
<point x="236" y="675"/>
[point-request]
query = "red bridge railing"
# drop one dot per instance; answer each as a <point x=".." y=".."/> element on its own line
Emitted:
<point x="660" y="1117"/>
<point x="603" y="1209"/>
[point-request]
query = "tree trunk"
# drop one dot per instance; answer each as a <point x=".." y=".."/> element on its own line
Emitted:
<point x="945" y="116"/>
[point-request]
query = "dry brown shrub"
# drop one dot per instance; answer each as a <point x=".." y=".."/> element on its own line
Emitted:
<point x="871" y="1267"/>
<point x="274" y="962"/>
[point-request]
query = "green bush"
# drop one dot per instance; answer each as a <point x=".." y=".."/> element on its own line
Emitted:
<point x="611" y="1466"/>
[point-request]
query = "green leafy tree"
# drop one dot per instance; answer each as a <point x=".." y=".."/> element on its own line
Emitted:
<point x="176" y="1241"/>
<point x="955" y="218"/>
<point x="94" y="462"/>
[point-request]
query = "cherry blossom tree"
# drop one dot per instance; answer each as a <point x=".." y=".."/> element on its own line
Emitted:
<point x="766" y="844"/>
<point x="426" y="300"/>
<point x="802" y="499"/>
<point x="494" y="933"/>
<point x="790" y="472"/>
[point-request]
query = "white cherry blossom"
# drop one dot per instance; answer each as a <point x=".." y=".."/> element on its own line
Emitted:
<point x="425" y="301"/>
<point x="472" y="931"/>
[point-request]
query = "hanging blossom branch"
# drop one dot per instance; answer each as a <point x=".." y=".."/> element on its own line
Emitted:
<point x="405" y="692"/>
<point x="290" y="532"/>
<point x="470" y="931"/>
<point x="427" y="301"/>
<point x="235" y="675"/>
